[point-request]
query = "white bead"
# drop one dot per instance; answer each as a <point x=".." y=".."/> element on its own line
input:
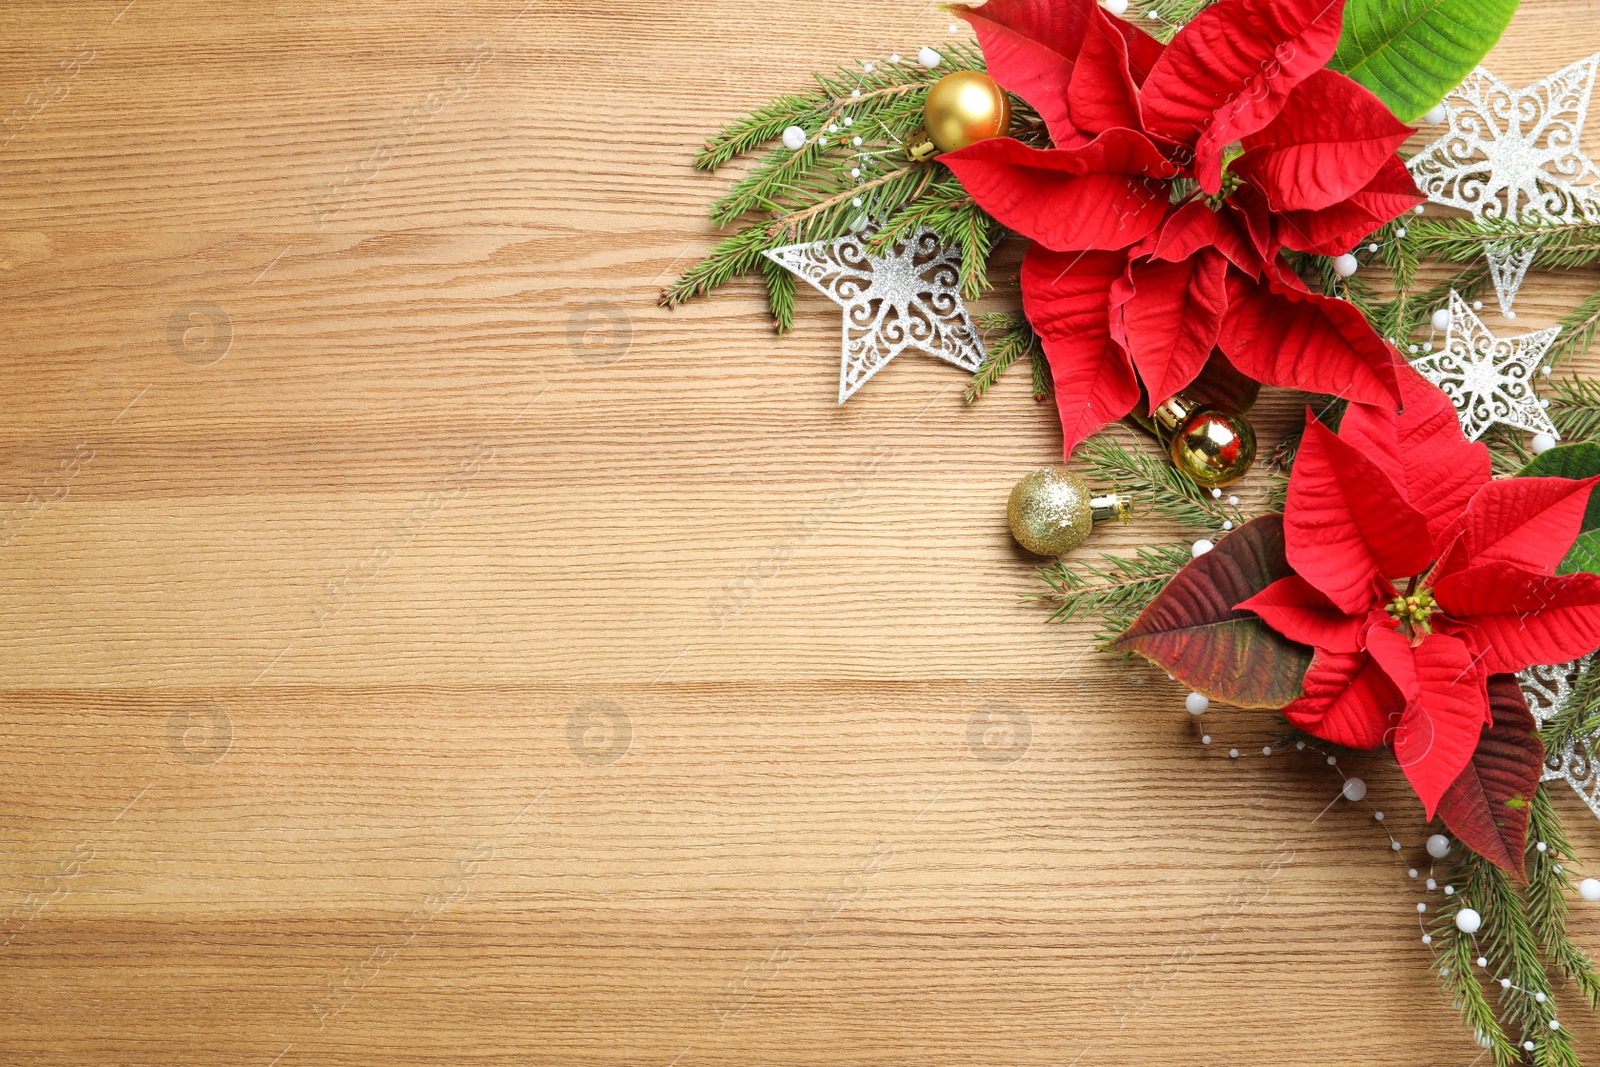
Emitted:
<point x="1528" y="1045"/>
<point x="1372" y="248"/>
<point x="855" y="172"/>
<point x="1200" y="548"/>
<point x="1266" y="750"/>
<point x="1227" y="524"/>
<point x="1482" y="962"/>
<point x="1415" y="349"/>
<point x="1400" y="232"/>
<point x="1205" y="739"/>
<point x="1468" y="921"/>
<point x="1438" y="846"/>
<point x="1477" y="305"/>
<point x="929" y="58"/>
<point x="867" y="67"/>
<point x="1233" y="753"/>
<point x="1345" y="265"/>
<point x="1427" y="939"/>
<point x="857" y="202"/>
<point x="1419" y="209"/>
<point x="1435" y="115"/>
<point x="1378" y="815"/>
<point x="834" y="128"/>
<point x="1394" y="846"/>
<point x="1332" y="760"/>
<point x="1432" y="884"/>
<point x="1557" y="868"/>
<point x="1412" y="872"/>
<point x="895" y="58"/>
<point x="855" y="94"/>
<point x="1540" y="997"/>
<point x="856" y="141"/>
<point x="1542" y="442"/>
<point x="1554" y="1025"/>
<point x="1511" y="314"/>
<point x="1216" y="494"/>
<point x="1546" y="371"/>
<point x="794" y="138"/>
<point x="1233" y="501"/>
<point x="1544" y="403"/>
<point x="1505" y="983"/>
<point x="1589" y="889"/>
<point x="1355" y="789"/>
<point x="1197" y="703"/>
<point x="848" y="121"/>
<point x="1449" y="890"/>
<point x="1421" y="907"/>
<point x="1542" y="847"/>
<point x="1441" y="319"/>
<point x="1300" y="745"/>
<point x="1427" y="346"/>
<point x="1117" y="7"/>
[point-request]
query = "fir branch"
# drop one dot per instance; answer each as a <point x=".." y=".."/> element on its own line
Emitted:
<point x="1148" y="478"/>
<point x="1017" y="340"/>
<point x="1471" y="282"/>
<point x="780" y="294"/>
<point x="944" y="207"/>
<point x="1575" y="409"/>
<point x="1548" y="885"/>
<point x="1174" y="15"/>
<point x="1578" y="329"/>
<point x="1555" y="245"/>
<point x="729" y="258"/>
<point x="1114" y="588"/>
<point x="1044" y="382"/>
<point x="764" y="124"/>
<point x="1455" y="966"/>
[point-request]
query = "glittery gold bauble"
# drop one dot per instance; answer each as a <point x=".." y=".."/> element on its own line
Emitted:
<point x="963" y="108"/>
<point x="1213" y="446"/>
<point x="1051" y="511"/>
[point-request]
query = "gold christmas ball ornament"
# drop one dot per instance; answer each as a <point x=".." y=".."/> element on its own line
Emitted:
<point x="1212" y="445"/>
<point x="962" y="108"/>
<point x="1051" y="511"/>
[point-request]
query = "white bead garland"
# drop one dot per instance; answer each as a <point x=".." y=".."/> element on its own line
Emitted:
<point x="1468" y="921"/>
<point x="1197" y="703"/>
<point x="794" y="138"/>
<point x="1438" y="846"/>
<point x="1346" y="265"/>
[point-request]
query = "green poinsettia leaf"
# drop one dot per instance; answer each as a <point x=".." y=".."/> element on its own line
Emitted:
<point x="1574" y="461"/>
<point x="1487" y="805"/>
<point x="1191" y="630"/>
<point x="1411" y="54"/>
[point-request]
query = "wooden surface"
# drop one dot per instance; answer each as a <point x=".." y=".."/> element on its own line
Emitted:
<point x="416" y="648"/>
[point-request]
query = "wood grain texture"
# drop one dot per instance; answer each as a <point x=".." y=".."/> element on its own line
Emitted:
<point x="417" y="648"/>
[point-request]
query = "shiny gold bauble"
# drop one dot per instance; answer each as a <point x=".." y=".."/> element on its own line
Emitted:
<point x="1051" y="511"/>
<point x="964" y="108"/>
<point x="1213" y="446"/>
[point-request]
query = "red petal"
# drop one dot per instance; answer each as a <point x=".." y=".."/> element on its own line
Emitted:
<point x="1193" y="227"/>
<point x="1446" y="707"/>
<point x="1335" y="230"/>
<point x="1423" y="448"/>
<point x="1487" y="805"/>
<point x="1298" y="610"/>
<point x="1347" y="524"/>
<point x="1327" y="143"/>
<point x="1102" y="94"/>
<point x="1167" y="316"/>
<point x="1030" y="48"/>
<point x="1228" y="73"/>
<point x="1529" y="522"/>
<point x="1304" y="341"/>
<point x="1067" y="299"/>
<point x="1347" y="700"/>
<point x="1518" y="618"/>
<point x="1104" y="195"/>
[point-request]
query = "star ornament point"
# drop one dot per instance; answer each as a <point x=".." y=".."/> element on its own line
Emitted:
<point x="1489" y="379"/>
<point x="906" y="296"/>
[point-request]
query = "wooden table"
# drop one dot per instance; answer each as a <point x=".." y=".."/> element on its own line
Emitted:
<point x="419" y="649"/>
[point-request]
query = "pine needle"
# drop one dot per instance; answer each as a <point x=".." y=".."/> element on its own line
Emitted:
<point x="1114" y="588"/>
<point x="1016" y="340"/>
<point x="1150" y="480"/>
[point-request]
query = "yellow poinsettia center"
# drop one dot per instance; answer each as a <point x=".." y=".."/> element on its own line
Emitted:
<point x="1414" y="611"/>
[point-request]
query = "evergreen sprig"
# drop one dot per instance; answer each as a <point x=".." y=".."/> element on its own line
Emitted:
<point x="1148" y="479"/>
<point x="1017" y="339"/>
<point x="1114" y="589"/>
<point x="1555" y="245"/>
<point x="1549" y="883"/>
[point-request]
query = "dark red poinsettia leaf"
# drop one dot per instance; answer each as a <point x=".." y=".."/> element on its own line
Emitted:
<point x="1331" y="138"/>
<point x="1335" y="230"/>
<point x="1422" y="448"/>
<point x="1487" y="805"/>
<point x="1066" y="296"/>
<point x="1230" y="71"/>
<point x="1445" y="707"/>
<point x="1299" y="340"/>
<point x="1193" y="632"/>
<point x="1520" y="617"/>
<point x="1030" y="48"/>
<point x="1348" y="700"/>
<point x="1167" y="316"/>
<point x="1348" y="525"/>
<point x="1102" y="195"/>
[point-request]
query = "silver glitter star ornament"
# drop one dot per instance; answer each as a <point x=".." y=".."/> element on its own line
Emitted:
<point x="1489" y="379"/>
<point x="1548" y="689"/>
<point x="1514" y="154"/>
<point x="908" y="296"/>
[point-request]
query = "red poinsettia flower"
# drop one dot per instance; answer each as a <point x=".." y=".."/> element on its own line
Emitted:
<point x="1134" y="277"/>
<point x="1417" y="577"/>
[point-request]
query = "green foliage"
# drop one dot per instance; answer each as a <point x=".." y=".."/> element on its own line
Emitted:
<point x="1152" y="483"/>
<point x="1017" y="339"/>
<point x="1172" y="16"/>
<point x="1411" y="53"/>
<point x="1112" y="589"/>
<point x="1555" y="245"/>
<point x="1549" y="882"/>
